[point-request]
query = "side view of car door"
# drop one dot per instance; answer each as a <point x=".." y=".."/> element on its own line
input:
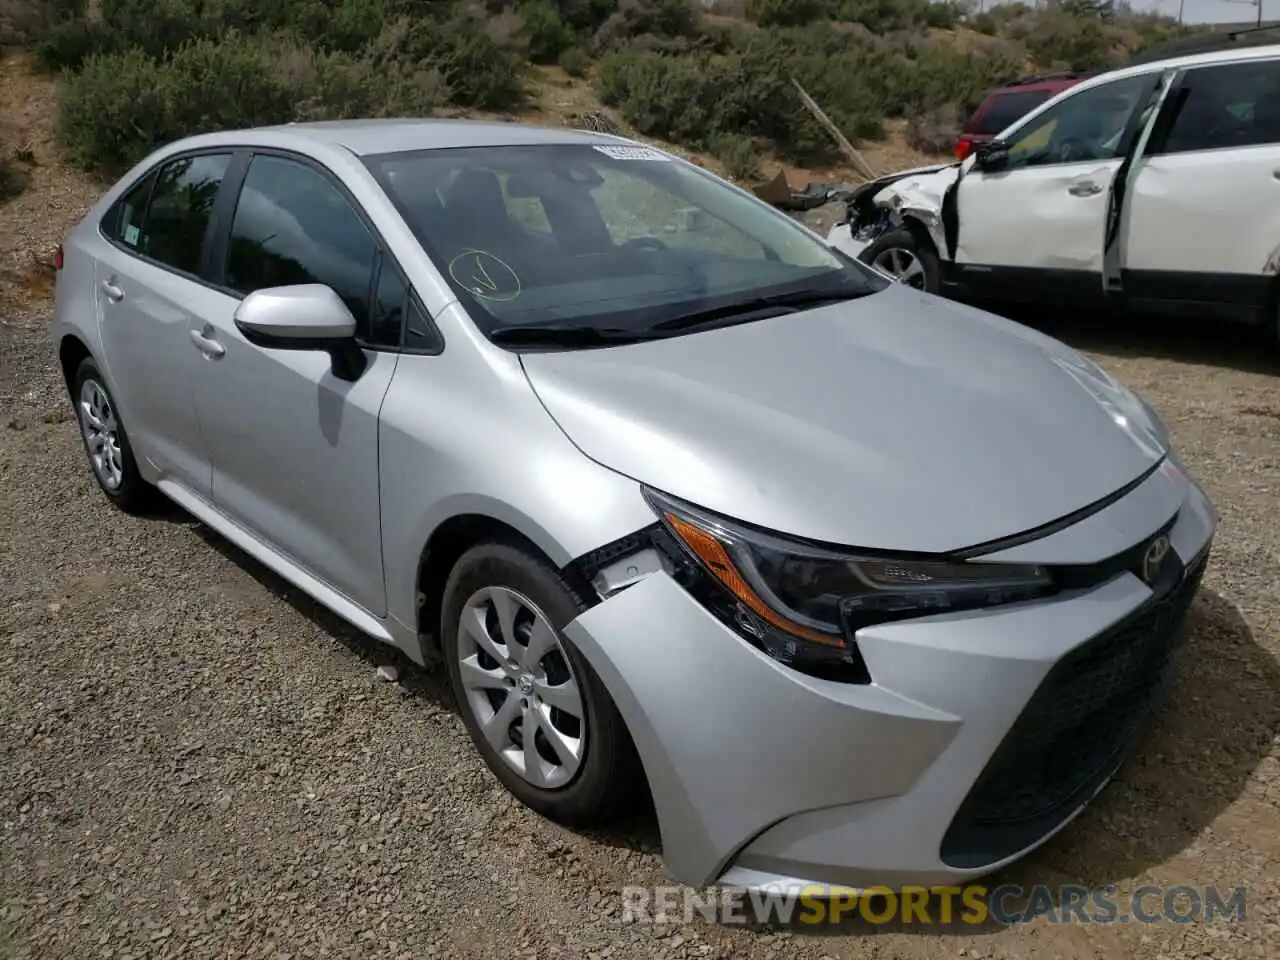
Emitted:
<point x="294" y="446"/>
<point x="1200" y="228"/>
<point x="1032" y="220"/>
<point x="148" y="265"/>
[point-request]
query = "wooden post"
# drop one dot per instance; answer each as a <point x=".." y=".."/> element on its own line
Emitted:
<point x="859" y="164"/>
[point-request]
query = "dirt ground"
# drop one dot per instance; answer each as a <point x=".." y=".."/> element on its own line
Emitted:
<point x="197" y="761"/>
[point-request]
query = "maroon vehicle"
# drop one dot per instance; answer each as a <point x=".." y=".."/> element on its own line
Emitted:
<point x="1003" y="105"/>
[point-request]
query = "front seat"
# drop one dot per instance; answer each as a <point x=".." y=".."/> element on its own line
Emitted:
<point x="477" y="212"/>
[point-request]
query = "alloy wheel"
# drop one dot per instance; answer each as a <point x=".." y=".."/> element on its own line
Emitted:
<point x="903" y="265"/>
<point x="101" y="432"/>
<point x="520" y="687"/>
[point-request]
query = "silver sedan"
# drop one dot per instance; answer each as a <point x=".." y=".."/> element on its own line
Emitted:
<point x="861" y="586"/>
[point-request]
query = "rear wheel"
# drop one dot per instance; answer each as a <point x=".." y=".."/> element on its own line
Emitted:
<point x="901" y="255"/>
<point x="105" y="441"/>
<point x="539" y="715"/>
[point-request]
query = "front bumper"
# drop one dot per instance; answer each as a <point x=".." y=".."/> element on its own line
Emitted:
<point x="764" y="777"/>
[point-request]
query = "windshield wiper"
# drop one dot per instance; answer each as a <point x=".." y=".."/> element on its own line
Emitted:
<point x="742" y="310"/>
<point x="568" y="335"/>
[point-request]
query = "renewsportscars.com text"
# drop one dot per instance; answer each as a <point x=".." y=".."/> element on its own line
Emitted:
<point x="975" y="905"/>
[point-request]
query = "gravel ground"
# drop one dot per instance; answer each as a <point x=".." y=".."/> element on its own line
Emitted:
<point x="197" y="761"/>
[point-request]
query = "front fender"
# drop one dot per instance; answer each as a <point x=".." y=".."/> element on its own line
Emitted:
<point x="440" y="415"/>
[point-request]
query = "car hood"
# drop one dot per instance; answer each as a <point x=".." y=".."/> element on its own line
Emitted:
<point x="921" y="190"/>
<point x="878" y="184"/>
<point x="896" y="421"/>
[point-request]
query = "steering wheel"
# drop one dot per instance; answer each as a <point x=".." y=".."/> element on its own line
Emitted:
<point x="650" y="244"/>
<point x="1072" y="149"/>
<point x="697" y="279"/>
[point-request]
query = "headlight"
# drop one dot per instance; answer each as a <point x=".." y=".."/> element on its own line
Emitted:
<point x="802" y="604"/>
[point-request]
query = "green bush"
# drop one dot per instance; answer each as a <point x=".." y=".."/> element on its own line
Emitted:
<point x="788" y="13"/>
<point x="942" y="16"/>
<point x="160" y="27"/>
<point x="545" y="33"/>
<point x="585" y="16"/>
<point x="26" y="22"/>
<point x="68" y="44"/>
<point x="1056" y="40"/>
<point x="575" y="62"/>
<point x="879" y="16"/>
<point x="648" y="20"/>
<point x="123" y="105"/>
<point x="14" y="174"/>
<point x="478" y="71"/>
<point x="986" y="24"/>
<point x="935" y="130"/>
<point x="739" y="154"/>
<point x="859" y="80"/>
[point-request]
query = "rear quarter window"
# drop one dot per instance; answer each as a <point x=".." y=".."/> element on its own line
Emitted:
<point x="123" y="222"/>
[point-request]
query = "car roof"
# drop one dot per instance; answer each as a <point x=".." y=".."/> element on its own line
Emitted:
<point x="1230" y="55"/>
<point x="1058" y="81"/>
<point x="366" y="137"/>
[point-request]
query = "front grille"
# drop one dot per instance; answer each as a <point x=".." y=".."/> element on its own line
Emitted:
<point x="1074" y="730"/>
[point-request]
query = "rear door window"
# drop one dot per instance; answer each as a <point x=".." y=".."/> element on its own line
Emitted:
<point x="1234" y="105"/>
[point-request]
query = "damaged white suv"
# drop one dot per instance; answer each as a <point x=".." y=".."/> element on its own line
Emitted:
<point x="1155" y="186"/>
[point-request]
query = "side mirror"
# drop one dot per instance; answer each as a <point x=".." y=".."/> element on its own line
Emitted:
<point x="308" y="316"/>
<point x="992" y="156"/>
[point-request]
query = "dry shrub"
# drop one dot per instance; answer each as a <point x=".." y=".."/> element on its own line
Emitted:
<point x="935" y="130"/>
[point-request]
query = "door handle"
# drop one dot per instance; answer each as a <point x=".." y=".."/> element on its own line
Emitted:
<point x="210" y="347"/>
<point x="112" y="292"/>
<point x="1086" y="189"/>
<point x="1276" y="173"/>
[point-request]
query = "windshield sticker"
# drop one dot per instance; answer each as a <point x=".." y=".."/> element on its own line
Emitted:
<point x="633" y="153"/>
<point x="131" y="236"/>
<point x="484" y="275"/>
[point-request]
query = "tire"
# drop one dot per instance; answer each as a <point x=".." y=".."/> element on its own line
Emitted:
<point x="116" y="470"/>
<point x="902" y="241"/>
<point x="607" y="777"/>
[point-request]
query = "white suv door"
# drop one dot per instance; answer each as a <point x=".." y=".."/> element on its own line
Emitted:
<point x="1201" y="223"/>
<point x="1037" y="222"/>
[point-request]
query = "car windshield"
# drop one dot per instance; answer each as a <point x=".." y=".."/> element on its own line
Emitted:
<point x="614" y="238"/>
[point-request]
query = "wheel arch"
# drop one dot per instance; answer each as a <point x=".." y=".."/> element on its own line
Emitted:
<point x="448" y="541"/>
<point x="72" y="351"/>
<point x="916" y="222"/>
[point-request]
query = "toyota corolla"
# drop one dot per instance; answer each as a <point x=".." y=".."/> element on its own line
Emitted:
<point x="861" y="586"/>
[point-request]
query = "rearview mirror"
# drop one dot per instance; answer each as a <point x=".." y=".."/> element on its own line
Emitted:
<point x="307" y="316"/>
<point x="992" y="156"/>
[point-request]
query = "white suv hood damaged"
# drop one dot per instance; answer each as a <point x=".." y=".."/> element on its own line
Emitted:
<point x="919" y="192"/>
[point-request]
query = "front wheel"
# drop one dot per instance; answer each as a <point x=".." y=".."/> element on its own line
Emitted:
<point x="536" y="711"/>
<point x="901" y="255"/>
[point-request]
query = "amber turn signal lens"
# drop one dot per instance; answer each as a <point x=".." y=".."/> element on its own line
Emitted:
<point x="717" y="560"/>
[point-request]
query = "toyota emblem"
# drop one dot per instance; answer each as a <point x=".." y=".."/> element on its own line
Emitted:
<point x="1153" y="559"/>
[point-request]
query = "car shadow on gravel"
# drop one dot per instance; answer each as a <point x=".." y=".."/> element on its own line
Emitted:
<point x="430" y="685"/>
<point x="1203" y="745"/>
<point x="1194" y="340"/>
<point x="636" y="831"/>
